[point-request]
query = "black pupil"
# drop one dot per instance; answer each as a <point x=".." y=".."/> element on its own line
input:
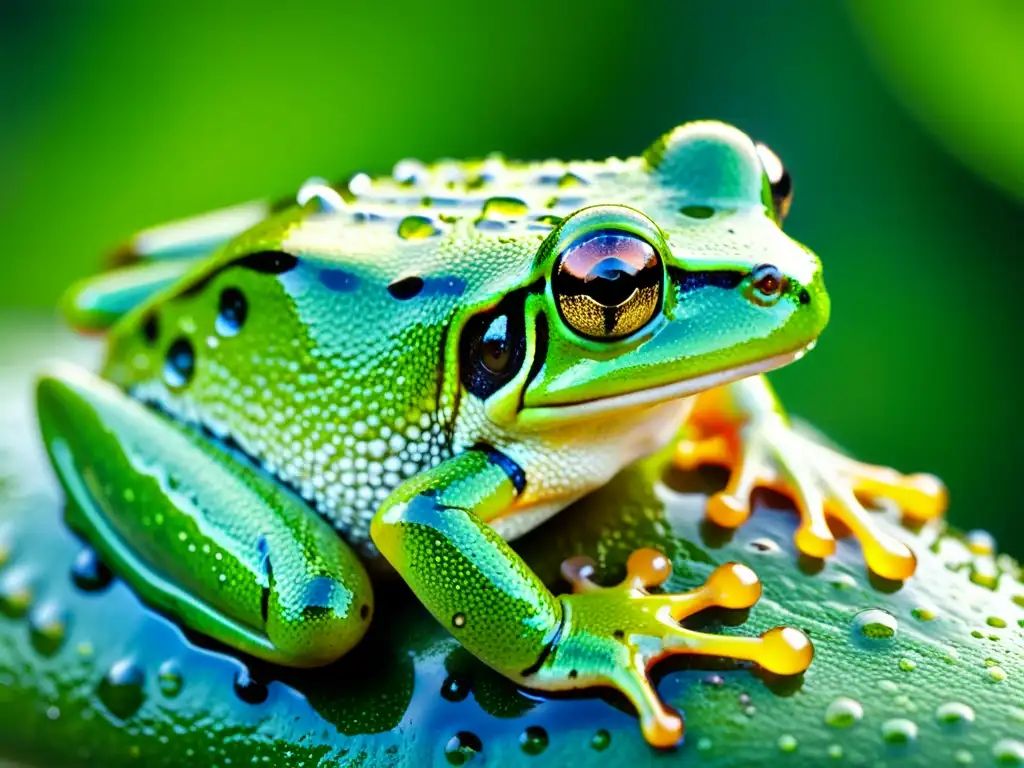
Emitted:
<point x="607" y="267"/>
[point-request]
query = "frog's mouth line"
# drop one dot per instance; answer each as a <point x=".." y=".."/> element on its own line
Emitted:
<point x="588" y="409"/>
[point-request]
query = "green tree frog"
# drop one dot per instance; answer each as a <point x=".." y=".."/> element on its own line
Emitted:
<point x="403" y="374"/>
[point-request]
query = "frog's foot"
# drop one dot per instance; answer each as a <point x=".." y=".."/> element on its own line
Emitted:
<point x="767" y="453"/>
<point x="613" y="636"/>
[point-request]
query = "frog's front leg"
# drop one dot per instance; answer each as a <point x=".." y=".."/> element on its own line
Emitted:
<point x="434" y="531"/>
<point x="743" y="427"/>
<point x="199" y="533"/>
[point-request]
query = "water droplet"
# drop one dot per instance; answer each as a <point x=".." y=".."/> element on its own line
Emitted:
<point x="704" y="744"/>
<point x="504" y="208"/>
<point x="873" y="626"/>
<point x="601" y="740"/>
<point x="570" y="179"/>
<point x="908" y="665"/>
<point x="53" y="713"/>
<point x="980" y="542"/>
<point x="417" y="228"/>
<point x="788" y="743"/>
<point x="533" y="740"/>
<point x="89" y="572"/>
<point x="996" y="674"/>
<point x="1008" y="752"/>
<point x="459" y="620"/>
<point x="15" y="593"/>
<point x="963" y="757"/>
<point x="924" y="613"/>
<point x="843" y="582"/>
<point x="249" y="690"/>
<point x="462" y="747"/>
<point x="835" y="752"/>
<point x="455" y="689"/>
<point x="954" y="713"/>
<point x="47" y="628"/>
<point x="170" y="679"/>
<point x="984" y="573"/>
<point x="121" y="690"/>
<point x="899" y="731"/>
<point x="844" y="712"/>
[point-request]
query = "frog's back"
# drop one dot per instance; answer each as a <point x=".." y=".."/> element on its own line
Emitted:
<point x="318" y="342"/>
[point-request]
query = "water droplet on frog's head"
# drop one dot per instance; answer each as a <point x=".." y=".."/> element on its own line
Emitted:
<point x="248" y="689"/>
<point x="462" y="747"/>
<point x="417" y="228"/>
<point x="48" y="625"/>
<point x="980" y="542"/>
<point x="169" y="678"/>
<point x="533" y="740"/>
<point x="601" y="740"/>
<point x="15" y="593"/>
<point x="1008" y="752"/>
<point x="954" y="713"/>
<point x="899" y="732"/>
<point x="410" y="171"/>
<point x="874" y="626"/>
<point x="455" y="689"/>
<point x="89" y="572"/>
<point x="121" y="690"/>
<point x="844" y="712"/>
<point x="504" y="208"/>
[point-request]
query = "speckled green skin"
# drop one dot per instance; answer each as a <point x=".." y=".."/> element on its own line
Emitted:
<point x="401" y="696"/>
<point x="348" y="387"/>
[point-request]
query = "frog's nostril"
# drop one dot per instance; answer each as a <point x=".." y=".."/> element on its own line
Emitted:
<point x="805" y="297"/>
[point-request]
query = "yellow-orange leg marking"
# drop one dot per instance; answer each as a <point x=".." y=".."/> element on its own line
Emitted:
<point x="637" y="629"/>
<point x="766" y="453"/>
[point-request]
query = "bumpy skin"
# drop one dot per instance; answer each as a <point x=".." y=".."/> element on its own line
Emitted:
<point x="440" y="361"/>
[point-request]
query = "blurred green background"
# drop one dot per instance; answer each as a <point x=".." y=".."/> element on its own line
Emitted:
<point x="903" y="124"/>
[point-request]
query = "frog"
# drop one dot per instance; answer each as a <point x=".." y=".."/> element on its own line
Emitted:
<point x="397" y="376"/>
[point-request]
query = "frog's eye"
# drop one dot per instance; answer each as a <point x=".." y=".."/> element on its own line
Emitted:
<point x="493" y="347"/>
<point x="779" y="179"/>
<point x="608" y="284"/>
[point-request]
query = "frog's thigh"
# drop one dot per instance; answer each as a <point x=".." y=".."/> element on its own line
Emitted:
<point x="433" y="530"/>
<point x="198" y="533"/>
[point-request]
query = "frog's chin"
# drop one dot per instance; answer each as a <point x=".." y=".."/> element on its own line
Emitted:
<point x="556" y="415"/>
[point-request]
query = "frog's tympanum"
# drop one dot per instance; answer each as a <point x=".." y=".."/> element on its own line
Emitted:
<point x="406" y="373"/>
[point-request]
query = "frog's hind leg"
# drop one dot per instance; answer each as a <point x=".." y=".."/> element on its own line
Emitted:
<point x="199" y="533"/>
<point x="152" y="260"/>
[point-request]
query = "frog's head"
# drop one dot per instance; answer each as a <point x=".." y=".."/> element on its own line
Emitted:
<point x="677" y="279"/>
